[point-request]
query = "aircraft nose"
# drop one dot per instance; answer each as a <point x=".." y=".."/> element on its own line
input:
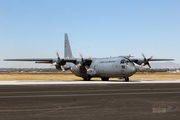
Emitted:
<point x="132" y="70"/>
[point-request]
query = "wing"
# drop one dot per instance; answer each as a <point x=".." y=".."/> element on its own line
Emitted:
<point x="141" y="60"/>
<point x="145" y="61"/>
<point x="35" y="60"/>
<point x="43" y="60"/>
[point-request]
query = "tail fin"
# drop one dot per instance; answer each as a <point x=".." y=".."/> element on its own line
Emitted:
<point x="67" y="47"/>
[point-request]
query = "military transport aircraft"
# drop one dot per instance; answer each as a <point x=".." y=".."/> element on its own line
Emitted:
<point x="105" y="68"/>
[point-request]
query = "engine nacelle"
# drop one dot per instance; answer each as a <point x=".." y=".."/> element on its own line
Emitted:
<point x="66" y="67"/>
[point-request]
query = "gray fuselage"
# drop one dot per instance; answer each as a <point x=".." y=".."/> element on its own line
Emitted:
<point x="107" y="67"/>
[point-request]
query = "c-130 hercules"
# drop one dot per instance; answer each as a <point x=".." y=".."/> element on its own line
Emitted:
<point x="105" y="68"/>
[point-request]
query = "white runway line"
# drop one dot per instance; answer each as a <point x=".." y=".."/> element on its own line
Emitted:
<point x="82" y="82"/>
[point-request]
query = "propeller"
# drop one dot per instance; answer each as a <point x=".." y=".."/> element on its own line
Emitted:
<point x="146" y="61"/>
<point x="90" y="57"/>
<point x="60" y="62"/>
<point x="130" y="55"/>
<point x="83" y="62"/>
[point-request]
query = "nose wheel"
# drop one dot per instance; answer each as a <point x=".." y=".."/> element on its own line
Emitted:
<point x="126" y="79"/>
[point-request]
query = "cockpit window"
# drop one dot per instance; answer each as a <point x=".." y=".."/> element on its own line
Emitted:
<point x="124" y="61"/>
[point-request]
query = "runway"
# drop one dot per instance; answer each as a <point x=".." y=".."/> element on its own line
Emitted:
<point x="89" y="100"/>
<point x="55" y="82"/>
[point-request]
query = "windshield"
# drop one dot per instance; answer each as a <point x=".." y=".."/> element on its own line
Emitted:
<point x="125" y="61"/>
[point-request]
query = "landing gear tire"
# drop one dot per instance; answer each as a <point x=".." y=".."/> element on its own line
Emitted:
<point x="87" y="78"/>
<point x="105" y="79"/>
<point x="126" y="79"/>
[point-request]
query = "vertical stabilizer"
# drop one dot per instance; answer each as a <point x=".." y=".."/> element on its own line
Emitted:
<point x="67" y="47"/>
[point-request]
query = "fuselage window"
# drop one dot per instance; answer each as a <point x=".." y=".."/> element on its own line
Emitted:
<point x="123" y="66"/>
<point x="122" y="62"/>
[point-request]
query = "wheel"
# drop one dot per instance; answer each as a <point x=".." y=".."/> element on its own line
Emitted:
<point x="126" y="79"/>
<point x="104" y="79"/>
<point x="87" y="78"/>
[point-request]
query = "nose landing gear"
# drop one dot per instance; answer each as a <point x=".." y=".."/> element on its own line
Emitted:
<point x="126" y="79"/>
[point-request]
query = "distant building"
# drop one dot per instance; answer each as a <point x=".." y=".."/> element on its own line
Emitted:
<point x="3" y="71"/>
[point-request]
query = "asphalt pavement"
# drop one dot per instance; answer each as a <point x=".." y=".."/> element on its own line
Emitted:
<point x="106" y="101"/>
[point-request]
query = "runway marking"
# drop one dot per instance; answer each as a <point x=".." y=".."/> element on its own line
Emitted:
<point x="96" y="94"/>
<point x="112" y="90"/>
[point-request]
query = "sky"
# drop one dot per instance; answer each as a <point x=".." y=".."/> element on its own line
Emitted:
<point x="97" y="28"/>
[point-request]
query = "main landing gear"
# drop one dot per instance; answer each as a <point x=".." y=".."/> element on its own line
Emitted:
<point x="104" y="78"/>
<point x="86" y="78"/>
<point x="89" y="78"/>
<point x="126" y="79"/>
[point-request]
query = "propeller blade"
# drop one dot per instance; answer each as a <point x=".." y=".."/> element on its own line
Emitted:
<point x="90" y="57"/>
<point x="54" y="64"/>
<point x="129" y="55"/>
<point x="149" y="65"/>
<point x="57" y="55"/>
<point x="150" y="58"/>
<point x="78" y="65"/>
<point x="142" y="65"/>
<point x="143" y="56"/>
<point x="87" y="68"/>
<point x="80" y="55"/>
<point x="62" y="68"/>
